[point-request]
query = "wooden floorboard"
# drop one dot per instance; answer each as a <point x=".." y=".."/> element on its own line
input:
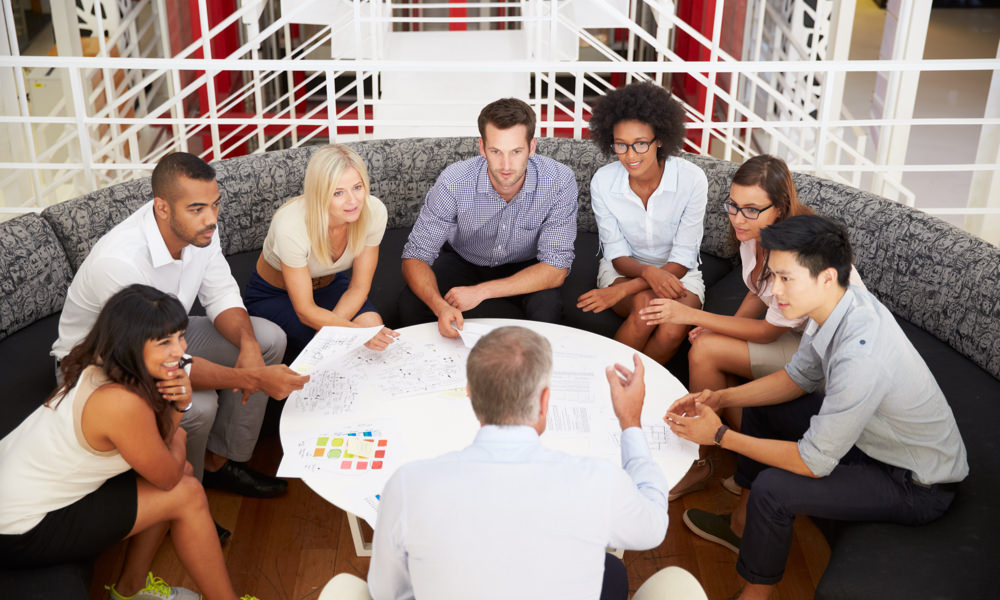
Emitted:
<point x="288" y="548"/>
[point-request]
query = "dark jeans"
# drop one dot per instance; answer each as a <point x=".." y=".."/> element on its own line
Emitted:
<point x="615" y="585"/>
<point x="451" y="270"/>
<point x="860" y="488"/>
<point x="272" y="303"/>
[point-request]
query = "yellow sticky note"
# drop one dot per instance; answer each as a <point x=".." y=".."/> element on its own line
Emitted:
<point x="360" y="447"/>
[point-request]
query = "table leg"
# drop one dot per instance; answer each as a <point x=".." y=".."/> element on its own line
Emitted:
<point x="361" y="547"/>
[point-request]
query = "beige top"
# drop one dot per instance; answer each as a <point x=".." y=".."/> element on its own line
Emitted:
<point x="287" y="240"/>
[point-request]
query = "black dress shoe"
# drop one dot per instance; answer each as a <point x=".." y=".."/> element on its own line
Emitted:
<point x="239" y="478"/>
<point x="223" y="533"/>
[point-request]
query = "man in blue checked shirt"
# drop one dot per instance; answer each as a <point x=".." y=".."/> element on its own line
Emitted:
<point x="496" y="231"/>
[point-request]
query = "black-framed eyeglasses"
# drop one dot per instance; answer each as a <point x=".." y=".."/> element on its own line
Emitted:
<point x="748" y="212"/>
<point x="639" y="147"/>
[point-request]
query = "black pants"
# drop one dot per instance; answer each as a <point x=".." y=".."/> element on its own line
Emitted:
<point x="615" y="585"/>
<point x="860" y="488"/>
<point x="451" y="270"/>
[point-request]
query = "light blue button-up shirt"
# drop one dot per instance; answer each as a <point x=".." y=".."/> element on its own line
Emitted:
<point x="668" y="229"/>
<point x="880" y="395"/>
<point x="508" y="518"/>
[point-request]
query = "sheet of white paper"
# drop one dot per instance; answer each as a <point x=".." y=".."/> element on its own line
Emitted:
<point x="471" y="332"/>
<point x="405" y="368"/>
<point x="673" y="453"/>
<point x="328" y="344"/>
<point x="574" y="377"/>
<point x="568" y="418"/>
<point x="327" y="394"/>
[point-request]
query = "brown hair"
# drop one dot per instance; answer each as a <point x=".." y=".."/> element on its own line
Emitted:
<point x="771" y="174"/>
<point x="506" y="113"/>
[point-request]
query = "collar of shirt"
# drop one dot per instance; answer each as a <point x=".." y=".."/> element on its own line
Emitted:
<point x="822" y="336"/>
<point x="484" y="187"/>
<point x="668" y="181"/>
<point x="507" y="438"/>
<point x="159" y="255"/>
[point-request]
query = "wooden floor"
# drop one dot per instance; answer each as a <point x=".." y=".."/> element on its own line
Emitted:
<point x="288" y="548"/>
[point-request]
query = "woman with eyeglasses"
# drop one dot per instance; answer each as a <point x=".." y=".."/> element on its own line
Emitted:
<point x="649" y="207"/>
<point x="724" y="348"/>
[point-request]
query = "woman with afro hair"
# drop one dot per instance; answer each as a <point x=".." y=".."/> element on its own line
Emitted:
<point x="649" y="207"/>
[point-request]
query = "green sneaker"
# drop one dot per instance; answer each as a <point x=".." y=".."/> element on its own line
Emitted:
<point x="156" y="589"/>
<point x="711" y="527"/>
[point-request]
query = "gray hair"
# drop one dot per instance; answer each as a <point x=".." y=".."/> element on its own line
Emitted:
<point x="507" y="370"/>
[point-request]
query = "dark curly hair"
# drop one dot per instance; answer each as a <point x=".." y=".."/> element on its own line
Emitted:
<point x="645" y="102"/>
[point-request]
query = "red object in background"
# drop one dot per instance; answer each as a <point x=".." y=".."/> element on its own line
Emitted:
<point x="701" y="16"/>
<point x="457" y="13"/>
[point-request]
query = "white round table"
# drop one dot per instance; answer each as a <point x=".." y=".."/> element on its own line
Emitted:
<point x="425" y="425"/>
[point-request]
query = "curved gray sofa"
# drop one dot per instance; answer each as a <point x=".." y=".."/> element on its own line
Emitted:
<point x="942" y="284"/>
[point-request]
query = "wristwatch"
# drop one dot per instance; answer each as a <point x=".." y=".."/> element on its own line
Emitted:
<point x="721" y="431"/>
<point x="182" y="410"/>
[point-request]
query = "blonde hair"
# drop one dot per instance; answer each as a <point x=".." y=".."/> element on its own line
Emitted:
<point x="325" y="169"/>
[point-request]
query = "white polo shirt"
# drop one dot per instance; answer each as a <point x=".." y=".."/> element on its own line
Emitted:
<point x="134" y="252"/>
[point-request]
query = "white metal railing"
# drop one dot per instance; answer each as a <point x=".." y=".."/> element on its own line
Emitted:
<point x="304" y="97"/>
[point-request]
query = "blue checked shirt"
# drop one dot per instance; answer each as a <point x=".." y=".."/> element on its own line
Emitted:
<point x="464" y="210"/>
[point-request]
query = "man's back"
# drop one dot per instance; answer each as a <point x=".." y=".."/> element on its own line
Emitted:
<point x="506" y="518"/>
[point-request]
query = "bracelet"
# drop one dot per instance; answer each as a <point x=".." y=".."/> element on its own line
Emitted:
<point x="721" y="431"/>
<point x="182" y="410"/>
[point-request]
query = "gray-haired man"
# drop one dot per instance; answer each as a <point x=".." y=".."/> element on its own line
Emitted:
<point x="506" y="515"/>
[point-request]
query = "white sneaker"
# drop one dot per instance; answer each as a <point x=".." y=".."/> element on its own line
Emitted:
<point x="156" y="589"/>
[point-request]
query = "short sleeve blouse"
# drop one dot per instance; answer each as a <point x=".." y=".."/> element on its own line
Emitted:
<point x="287" y="239"/>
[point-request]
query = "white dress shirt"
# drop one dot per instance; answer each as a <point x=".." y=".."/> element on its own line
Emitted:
<point x="668" y="229"/>
<point x="509" y="518"/>
<point x="134" y="252"/>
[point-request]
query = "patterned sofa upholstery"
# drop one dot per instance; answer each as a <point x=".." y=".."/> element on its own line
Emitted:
<point x="943" y="285"/>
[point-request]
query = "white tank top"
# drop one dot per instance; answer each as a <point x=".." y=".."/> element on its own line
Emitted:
<point x="47" y="464"/>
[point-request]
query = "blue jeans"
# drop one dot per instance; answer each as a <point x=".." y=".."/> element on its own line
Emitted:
<point x="272" y="303"/>
<point x="860" y="488"/>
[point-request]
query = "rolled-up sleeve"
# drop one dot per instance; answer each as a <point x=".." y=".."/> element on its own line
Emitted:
<point x="613" y="242"/>
<point x="555" y="242"/>
<point x="435" y="225"/>
<point x="219" y="291"/>
<point x="851" y="398"/>
<point x="639" y="510"/>
<point x="805" y="368"/>
<point x="687" y="242"/>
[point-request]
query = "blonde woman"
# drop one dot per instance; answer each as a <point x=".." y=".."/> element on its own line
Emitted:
<point x="301" y="282"/>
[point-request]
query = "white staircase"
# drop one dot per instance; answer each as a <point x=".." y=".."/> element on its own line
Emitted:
<point x="428" y="104"/>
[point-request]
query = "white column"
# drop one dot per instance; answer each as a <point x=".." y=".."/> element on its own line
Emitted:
<point x="985" y="189"/>
<point x="838" y="49"/>
<point x="903" y="38"/>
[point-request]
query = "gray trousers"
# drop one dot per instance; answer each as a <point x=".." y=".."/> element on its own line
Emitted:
<point x="219" y="421"/>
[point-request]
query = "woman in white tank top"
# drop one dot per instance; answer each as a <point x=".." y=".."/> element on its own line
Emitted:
<point x="68" y="466"/>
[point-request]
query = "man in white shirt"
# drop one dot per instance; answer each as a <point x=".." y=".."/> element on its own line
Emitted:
<point x="170" y="244"/>
<point x="508" y="518"/>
